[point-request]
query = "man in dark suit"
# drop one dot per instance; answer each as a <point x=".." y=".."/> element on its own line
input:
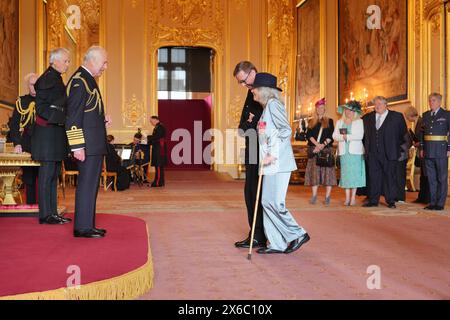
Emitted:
<point x="245" y="73"/>
<point x="21" y="129"/>
<point x="159" y="151"/>
<point x="385" y="134"/>
<point x="86" y="130"/>
<point x="49" y="141"/>
<point x="435" y="150"/>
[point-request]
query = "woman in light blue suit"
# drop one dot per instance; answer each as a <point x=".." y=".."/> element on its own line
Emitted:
<point x="281" y="229"/>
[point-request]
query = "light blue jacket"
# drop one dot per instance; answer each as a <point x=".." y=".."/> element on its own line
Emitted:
<point x="276" y="139"/>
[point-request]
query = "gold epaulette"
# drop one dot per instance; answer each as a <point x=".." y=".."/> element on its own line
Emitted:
<point x="75" y="136"/>
<point x="93" y="94"/>
<point x="28" y="115"/>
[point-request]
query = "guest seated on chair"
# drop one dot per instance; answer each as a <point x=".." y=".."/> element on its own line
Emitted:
<point x="114" y="164"/>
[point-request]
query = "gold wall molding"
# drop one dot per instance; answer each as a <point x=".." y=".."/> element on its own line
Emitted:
<point x="281" y="46"/>
<point x="193" y="23"/>
<point x="134" y="114"/>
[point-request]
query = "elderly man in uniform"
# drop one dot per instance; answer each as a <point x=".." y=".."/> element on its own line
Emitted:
<point x="49" y="142"/>
<point x="86" y="131"/>
<point x="21" y="130"/>
<point x="435" y="150"/>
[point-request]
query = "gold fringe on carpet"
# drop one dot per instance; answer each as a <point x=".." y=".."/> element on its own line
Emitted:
<point x="125" y="287"/>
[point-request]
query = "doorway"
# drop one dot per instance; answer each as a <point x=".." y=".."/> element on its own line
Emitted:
<point x="185" y="101"/>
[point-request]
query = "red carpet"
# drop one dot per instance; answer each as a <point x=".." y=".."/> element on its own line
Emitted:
<point x="35" y="258"/>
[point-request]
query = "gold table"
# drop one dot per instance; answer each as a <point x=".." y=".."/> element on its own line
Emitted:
<point x="10" y="167"/>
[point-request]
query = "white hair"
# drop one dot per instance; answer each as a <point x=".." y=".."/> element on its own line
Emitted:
<point x="265" y="94"/>
<point x="382" y="99"/>
<point x="57" y="54"/>
<point x="93" y="53"/>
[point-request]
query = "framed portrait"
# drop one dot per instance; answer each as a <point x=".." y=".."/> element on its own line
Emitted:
<point x="9" y="51"/>
<point x="373" y="49"/>
<point x="308" y="56"/>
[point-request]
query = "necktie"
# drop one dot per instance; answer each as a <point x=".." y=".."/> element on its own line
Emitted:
<point x="378" y="124"/>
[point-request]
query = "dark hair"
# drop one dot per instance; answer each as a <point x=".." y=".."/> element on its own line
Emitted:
<point x="245" y="66"/>
<point x="154" y="117"/>
<point x="138" y="135"/>
<point x="110" y="138"/>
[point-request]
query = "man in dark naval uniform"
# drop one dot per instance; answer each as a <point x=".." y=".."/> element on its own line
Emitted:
<point x="86" y="130"/>
<point x="21" y="130"/>
<point x="435" y="149"/>
<point x="245" y="73"/>
<point x="49" y="142"/>
<point x="159" y="151"/>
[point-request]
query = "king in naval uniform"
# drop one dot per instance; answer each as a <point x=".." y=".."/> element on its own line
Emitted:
<point x="86" y="131"/>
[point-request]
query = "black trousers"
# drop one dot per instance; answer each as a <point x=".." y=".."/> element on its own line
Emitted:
<point x="30" y="176"/>
<point x="382" y="173"/>
<point x="437" y="173"/>
<point x="401" y="180"/>
<point x="48" y="188"/>
<point x="424" y="193"/>
<point x="250" y="190"/>
<point x="87" y="190"/>
<point x="159" y="177"/>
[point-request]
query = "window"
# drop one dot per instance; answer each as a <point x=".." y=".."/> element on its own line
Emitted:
<point x="183" y="71"/>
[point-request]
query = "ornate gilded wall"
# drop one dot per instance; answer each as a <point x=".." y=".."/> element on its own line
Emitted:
<point x="263" y="31"/>
<point x="9" y="51"/>
<point x="76" y="40"/>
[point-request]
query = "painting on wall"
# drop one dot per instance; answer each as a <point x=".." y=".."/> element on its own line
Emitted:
<point x="308" y="57"/>
<point x="9" y="51"/>
<point x="373" y="57"/>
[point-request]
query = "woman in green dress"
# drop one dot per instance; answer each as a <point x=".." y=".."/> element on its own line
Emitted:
<point x="349" y="133"/>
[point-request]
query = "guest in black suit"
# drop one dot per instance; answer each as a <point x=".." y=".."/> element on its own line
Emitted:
<point x="49" y="141"/>
<point x="385" y="135"/>
<point x="245" y="74"/>
<point x="159" y="151"/>
<point x="21" y="129"/>
<point x="114" y="164"/>
<point x="86" y="130"/>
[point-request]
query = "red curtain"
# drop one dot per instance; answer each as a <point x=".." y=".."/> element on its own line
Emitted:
<point x="182" y="114"/>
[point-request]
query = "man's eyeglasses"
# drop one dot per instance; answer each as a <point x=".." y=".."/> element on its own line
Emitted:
<point x="245" y="80"/>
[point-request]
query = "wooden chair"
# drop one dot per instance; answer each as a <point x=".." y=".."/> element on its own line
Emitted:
<point x="106" y="175"/>
<point x="67" y="173"/>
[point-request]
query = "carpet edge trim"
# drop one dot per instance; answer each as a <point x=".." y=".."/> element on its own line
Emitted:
<point x="128" y="286"/>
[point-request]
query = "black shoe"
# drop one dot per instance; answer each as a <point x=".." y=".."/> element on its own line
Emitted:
<point x="370" y="205"/>
<point x="438" y="208"/>
<point x="53" y="219"/>
<point x="392" y="206"/>
<point x="87" y="234"/>
<point x="246" y="244"/>
<point x="65" y="219"/>
<point x="99" y="230"/>
<point x="268" y="251"/>
<point x="430" y="207"/>
<point x="418" y="201"/>
<point x="296" y="244"/>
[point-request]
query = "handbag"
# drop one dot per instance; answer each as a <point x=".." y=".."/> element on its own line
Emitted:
<point x="325" y="159"/>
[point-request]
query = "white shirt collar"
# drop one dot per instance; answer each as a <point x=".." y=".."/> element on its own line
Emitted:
<point x="435" y="112"/>
<point x="87" y="70"/>
<point x="383" y="115"/>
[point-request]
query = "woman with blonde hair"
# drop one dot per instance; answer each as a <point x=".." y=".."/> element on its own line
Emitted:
<point x="349" y="132"/>
<point x="320" y="140"/>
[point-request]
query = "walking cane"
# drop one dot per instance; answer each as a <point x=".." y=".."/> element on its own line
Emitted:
<point x="255" y="213"/>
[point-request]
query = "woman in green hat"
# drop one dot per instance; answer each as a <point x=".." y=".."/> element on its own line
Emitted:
<point x="349" y="132"/>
